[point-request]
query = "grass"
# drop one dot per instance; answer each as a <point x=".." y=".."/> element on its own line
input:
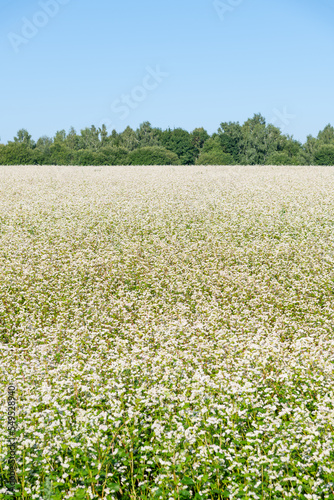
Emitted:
<point x="169" y="331"/>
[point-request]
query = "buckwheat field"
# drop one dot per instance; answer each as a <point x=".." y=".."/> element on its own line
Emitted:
<point x="169" y="331"/>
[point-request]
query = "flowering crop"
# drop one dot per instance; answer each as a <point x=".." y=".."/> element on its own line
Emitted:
<point x="169" y="331"/>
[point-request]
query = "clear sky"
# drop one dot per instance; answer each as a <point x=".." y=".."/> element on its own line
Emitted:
<point x="175" y="63"/>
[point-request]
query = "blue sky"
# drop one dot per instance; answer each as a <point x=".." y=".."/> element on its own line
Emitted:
<point x="181" y="63"/>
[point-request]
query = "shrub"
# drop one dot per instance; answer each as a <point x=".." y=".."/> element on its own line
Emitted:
<point x="155" y="155"/>
<point x="85" y="157"/>
<point x="282" y="158"/>
<point x="19" y="154"/>
<point x="112" y="156"/>
<point x="215" y="157"/>
<point x="60" y="155"/>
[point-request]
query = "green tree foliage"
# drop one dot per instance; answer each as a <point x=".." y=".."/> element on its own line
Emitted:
<point x="23" y="137"/>
<point x="43" y="147"/>
<point x="213" y="153"/>
<point x="128" y="139"/>
<point x="73" y="140"/>
<point x="147" y="136"/>
<point x="231" y="139"/>
<point x="281" y="158"/>
<point x="254" y="142"/>
<point x="85" y="157"/>
<point x="154" y="155"/>
<point x="325" y="155"/>
<point x="259" y="141"/>
<point x="213" y="142"/>
<point x="199" y="136"/>
<point x="291" y="147"/>
<point x="114" y="139"/>
<point x="103" y="136"/>
<point x="90" y="139"/>
<point x="60" y="137"/>
<point x="112" y="156"/>
<point x="180" y="142"/>
<point x="60" y="154"/>
<point x="215" y="157"/>
<point x="16" y="153"/>
<point x="289" y="155"/>
<point x="308" y="151"/>
<point x="326" y="136"/>
<point x="315" y="149"/>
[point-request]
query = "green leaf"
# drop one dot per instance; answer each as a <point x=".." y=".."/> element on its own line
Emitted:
<point x="188" y="481"/>
<point x="114" y="487"/>
<point x="83" y="473"/>
<point x="80" y="494"/>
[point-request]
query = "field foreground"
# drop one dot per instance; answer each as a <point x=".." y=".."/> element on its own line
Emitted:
<point x="169" y="331"/>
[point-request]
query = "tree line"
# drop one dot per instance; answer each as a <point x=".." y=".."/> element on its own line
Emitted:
<point x="253" y="143"/>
